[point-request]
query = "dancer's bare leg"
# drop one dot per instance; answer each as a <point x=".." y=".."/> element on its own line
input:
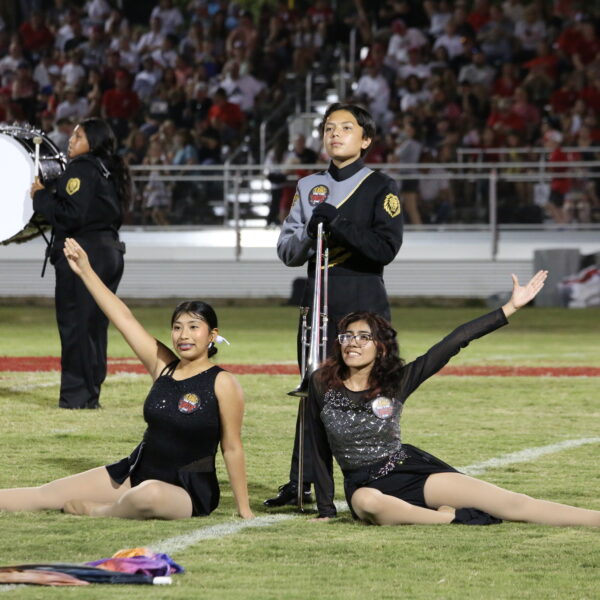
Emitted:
<point x="95" y="485"/>
<point x="373" y="506"/>
<point x="462" y="491"/>
<point x="151" y="499"/>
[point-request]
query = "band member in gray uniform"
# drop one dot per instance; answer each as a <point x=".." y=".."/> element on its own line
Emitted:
<point x="361" y="214"/>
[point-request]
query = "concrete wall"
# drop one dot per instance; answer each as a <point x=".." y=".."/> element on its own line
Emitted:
<point x="202" y="263"/>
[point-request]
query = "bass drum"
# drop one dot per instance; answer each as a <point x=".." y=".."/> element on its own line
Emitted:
<point x="17" y="165"/>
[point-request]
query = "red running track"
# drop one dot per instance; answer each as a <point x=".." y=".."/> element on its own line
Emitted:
<point x="131" y="365"/>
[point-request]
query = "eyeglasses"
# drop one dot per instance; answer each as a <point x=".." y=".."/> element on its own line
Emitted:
<point x="361" y="339"/>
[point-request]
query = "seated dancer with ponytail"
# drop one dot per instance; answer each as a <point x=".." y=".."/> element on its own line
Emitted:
<point x="354" y="406"/>
<point x="193" y="406"/>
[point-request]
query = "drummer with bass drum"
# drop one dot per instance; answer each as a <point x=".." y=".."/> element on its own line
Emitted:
<point x="86" y="202"/>
<point x="361" y="214"/>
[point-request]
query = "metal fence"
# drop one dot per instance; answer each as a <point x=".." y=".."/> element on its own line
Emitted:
<point x="480" y="194"/>
<point x="231" y="193"/>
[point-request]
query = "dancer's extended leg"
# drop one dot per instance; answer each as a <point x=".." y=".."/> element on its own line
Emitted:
<point x="93" y="485"/>
<point x="462" y="491"/>
<point x="150" y="499"/>
<point x="373" y="506"/>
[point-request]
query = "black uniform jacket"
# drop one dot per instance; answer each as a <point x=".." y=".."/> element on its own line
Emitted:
<point x="85" y="200"/>
<point x="415" y="373"/>
<point x="366" y="234"/>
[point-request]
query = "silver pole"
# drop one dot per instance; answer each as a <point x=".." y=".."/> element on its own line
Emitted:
<point x="263" y="141"/>
<point x="493" y="208"/>
<point x="236" y="216"/>
<point x="301" y="454"/>
<point x="226" y="184"/>
<point x="325" y="313"/>
<point x="308" y="92"/>
<point x="352" y="52"/>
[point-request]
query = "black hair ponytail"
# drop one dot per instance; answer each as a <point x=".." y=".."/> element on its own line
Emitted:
<point x="103" y="144"/>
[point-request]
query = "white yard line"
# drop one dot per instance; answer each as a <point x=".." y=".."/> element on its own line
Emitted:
<point x="182" y="542"/>
<point x="526" y="455"/>
<point x="120" y="376"/>
<point x="33" y="386"/>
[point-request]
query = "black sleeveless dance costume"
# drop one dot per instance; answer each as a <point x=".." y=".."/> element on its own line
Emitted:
<point x="180" y="443"/>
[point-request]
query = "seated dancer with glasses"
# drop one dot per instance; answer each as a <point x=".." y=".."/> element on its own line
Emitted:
<point x="361" y="215"/>
<point x="192" y="407"/>
<point x="354" y="406"/>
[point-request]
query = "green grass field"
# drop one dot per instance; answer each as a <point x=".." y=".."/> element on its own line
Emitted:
<point x="463" y="420"/>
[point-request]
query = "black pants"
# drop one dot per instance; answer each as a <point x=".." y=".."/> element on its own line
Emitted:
<point x="273" y="216"/>
<point x="347" y="294"/>
<point x="82" y="325"/>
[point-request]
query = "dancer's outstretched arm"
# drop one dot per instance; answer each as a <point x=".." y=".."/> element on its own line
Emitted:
<point x="153" y="354"/>
<point x="522" y="294"/>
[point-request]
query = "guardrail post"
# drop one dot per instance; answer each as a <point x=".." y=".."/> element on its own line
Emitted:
<point x="236" y="215"/>
<point x="493" y="210"/>
<point x="226" y="185"/>
<point x="352" y="52"/>
<point x="263" y="141"/>
<point x="308" y="92"/>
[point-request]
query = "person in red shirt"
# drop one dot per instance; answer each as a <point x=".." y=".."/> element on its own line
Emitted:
<point x="120" y="104"/>
<point x="502" y="119"/>
<point x="563" y="99"/>
<point x="505" y="85"/>
<point x="480" y="15"/>
<point x="579" y="44"/>
<point x="34" y="34"/>
<point x="591" y="94"/>
<point x="545" y="59"/>
<point x="525" y="109"/>
<point x="559" y="186"/>
<point x="226" y="117"/>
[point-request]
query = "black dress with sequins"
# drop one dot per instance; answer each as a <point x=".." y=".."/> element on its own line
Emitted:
<point x="364" y="435"/>
<point x="181" y="441"/>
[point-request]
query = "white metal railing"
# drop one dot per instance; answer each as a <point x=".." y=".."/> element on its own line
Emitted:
<point x="242" y="191"/>
<point x="522" y="150"/>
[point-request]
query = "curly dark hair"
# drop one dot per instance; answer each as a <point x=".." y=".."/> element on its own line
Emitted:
<point x="387" y="372"/>
<point x="200" y="309"/>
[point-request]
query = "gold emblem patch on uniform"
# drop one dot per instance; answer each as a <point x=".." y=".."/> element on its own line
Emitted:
<point x="318" y="195"/>
<point x="73" y="185"/>
<point x="391" y="205"/>
<point x="295" y="198"/>
<point x="188" y="403"/>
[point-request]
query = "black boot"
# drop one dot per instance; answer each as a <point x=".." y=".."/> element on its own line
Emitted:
<point x="288" y="495"/>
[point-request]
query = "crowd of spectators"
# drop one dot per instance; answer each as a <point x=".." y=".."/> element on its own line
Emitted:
<point x="182" y="83"/>
<point x="452" y="81"/>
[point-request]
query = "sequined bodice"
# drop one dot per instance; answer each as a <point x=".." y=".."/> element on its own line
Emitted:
<point x="183" y="423"/>
<point x="361" y="432"/>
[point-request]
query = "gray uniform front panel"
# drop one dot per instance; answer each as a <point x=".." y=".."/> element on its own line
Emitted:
<point x="294" y="247"/>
